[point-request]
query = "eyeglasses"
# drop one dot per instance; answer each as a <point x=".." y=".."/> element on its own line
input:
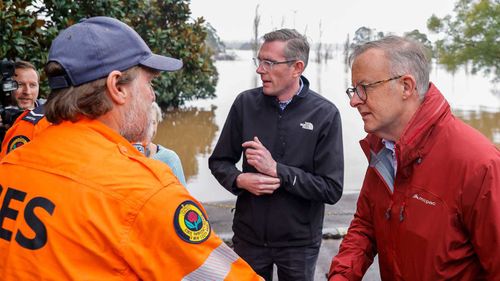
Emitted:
<point x="267" y="65"/>
<point x="360" y="89"/>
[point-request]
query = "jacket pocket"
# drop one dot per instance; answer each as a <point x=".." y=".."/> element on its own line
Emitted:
<point x="427" y="232"/>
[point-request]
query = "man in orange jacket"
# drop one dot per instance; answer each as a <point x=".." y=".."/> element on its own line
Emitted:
<point x="79" y="202"/>
<point x="24" y="98"/>
<point x="27" y="126"/>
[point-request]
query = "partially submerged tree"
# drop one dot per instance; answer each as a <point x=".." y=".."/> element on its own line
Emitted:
<point x="319" y="45"/>
<point x="362" y="35"/>
<point x="256" y="24"/>
<point x="422" y="38"/>
<point x="213" y="40"/>
<point x="470" y="37"/>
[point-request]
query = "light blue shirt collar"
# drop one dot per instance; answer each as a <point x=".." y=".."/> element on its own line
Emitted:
<point x="392" y="147"/>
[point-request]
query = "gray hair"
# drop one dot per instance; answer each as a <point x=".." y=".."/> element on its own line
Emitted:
<point x="405" y="56"/>
<point x="297" y="46"/>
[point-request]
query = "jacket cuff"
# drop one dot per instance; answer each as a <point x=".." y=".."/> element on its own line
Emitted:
<point x="234" y="187"/>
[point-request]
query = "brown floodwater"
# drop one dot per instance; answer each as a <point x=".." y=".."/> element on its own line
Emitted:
<point x="193" y="130"/>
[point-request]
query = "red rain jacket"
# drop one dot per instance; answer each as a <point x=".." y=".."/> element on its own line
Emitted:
<point x="443" y="220"/>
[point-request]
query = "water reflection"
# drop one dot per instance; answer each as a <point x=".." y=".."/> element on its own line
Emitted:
<point x="193" y="131"/>
<point x="189" y="132"/>
<point x="485" y="121"/>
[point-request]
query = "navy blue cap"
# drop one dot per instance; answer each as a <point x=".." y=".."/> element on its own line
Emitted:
<point x="94" y="47"/>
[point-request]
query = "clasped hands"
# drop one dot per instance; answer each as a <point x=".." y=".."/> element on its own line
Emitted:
<point x="266" y="181"/>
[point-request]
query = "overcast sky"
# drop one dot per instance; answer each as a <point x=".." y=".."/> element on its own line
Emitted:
<point x="233" y="19"/>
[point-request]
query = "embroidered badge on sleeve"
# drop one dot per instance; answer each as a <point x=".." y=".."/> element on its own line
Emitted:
<point x="190" y="223"/>
<point x="16" y="142"/>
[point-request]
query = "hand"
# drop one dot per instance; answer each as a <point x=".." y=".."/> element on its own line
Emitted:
<point x="259" y="157"/>
<point x="257" y="184"/>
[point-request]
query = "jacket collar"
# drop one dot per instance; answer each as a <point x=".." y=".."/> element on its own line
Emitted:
<point x="414" y="142"/>
<point x="305" y="89"/>
<point x="106" y="132"/>
<point x="302" y="94"/>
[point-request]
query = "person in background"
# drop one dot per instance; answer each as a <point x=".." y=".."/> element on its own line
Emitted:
<point x="31" y="121"/>
<point x="28" y="79"/>
<point x="79" y="202"/>
<point x="157" y="151"/>
<point x="291" y="141"/>
<point x="429" y="205"/>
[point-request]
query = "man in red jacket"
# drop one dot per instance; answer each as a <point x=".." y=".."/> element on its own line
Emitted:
<point x="429" y="205"/>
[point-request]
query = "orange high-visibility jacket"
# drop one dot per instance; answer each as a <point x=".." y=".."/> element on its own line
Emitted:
<point x="81" y="203"/>
<point x="25" y="128"/>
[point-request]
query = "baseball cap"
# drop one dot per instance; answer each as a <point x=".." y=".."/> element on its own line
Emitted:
<point x="94" y="47"/>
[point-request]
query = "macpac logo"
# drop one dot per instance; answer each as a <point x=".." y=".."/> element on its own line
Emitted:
<point x="307" y="126"/>
<point x="426" y="201"/>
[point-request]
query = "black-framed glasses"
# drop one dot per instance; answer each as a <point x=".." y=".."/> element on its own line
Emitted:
<point x="267" y="65"/>
<point x="360" y="89"/>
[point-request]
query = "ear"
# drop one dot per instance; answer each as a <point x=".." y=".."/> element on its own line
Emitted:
<point x="409" y="86"/>
<point x="115" y="90"/>
<point x="298" y="68"/>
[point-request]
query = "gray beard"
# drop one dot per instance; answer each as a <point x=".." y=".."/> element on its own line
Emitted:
<point x="132" y="130"/>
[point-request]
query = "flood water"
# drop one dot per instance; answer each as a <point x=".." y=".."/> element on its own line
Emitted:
<point x="193" y="130"/>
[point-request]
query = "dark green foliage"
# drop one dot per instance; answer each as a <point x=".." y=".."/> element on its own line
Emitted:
<point x="28" y="28"/>
<point x="23" y="34"/>
<point x="471" y="37"/>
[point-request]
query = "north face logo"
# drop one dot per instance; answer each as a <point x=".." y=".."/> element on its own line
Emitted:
<point x="307" y="126"/>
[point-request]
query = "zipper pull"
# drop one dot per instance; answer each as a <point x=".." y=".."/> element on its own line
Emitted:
<point x="401" y="212"/>
<point x="388" y="212"/>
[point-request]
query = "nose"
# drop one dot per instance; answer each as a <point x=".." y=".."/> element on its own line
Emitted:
<point x="152" y="95"/>
<point x="29" y="89"/>
<point x="23" y="89"/>
<point x="355" y="101"/>
<point x="260" y="69"/>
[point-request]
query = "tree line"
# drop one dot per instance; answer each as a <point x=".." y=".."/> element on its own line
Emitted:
<point x="469" y="38"/>
<point x="27" y="29"/>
